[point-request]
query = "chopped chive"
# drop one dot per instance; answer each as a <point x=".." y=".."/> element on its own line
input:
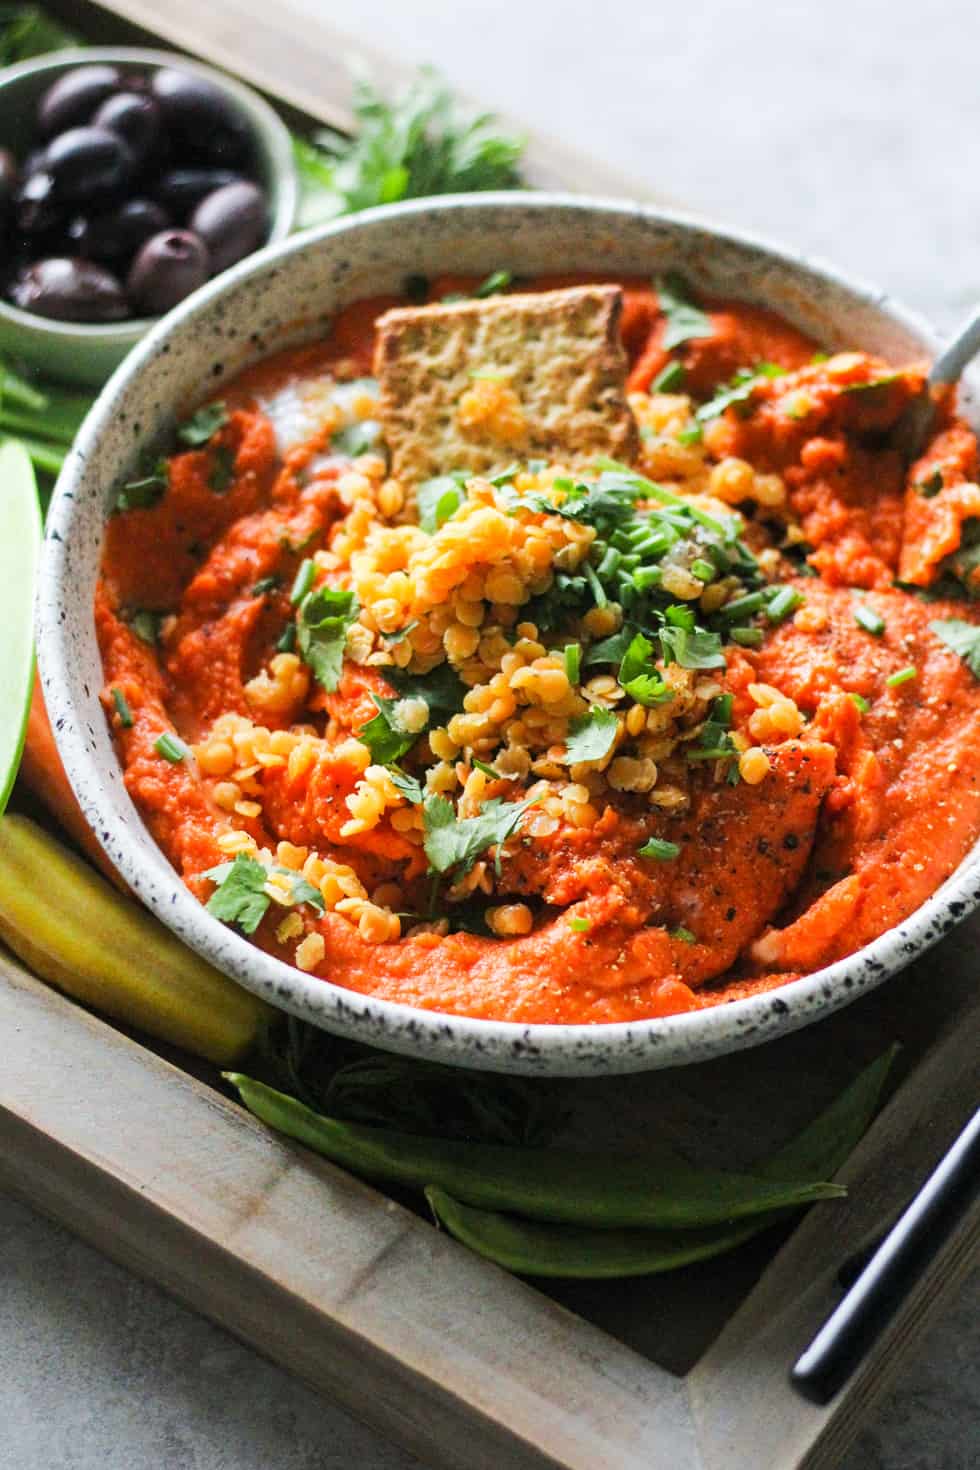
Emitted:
<point x="746" y="637"/>
<point x="902" y="677"/>
<point x="264" y="585"/>
<point x="287" y="639"/>
<point x="573" y="662"/>
<point x="609" y="565"/>
<point x="785" y="602"/>
<point x="659" y="848"/>
<point x="303" y="582"/>
<point x="743" y="606"/>
<point x="598" y="592"/>
<point x="721" y="710"/>
<point x="122" y="709"/>
<point x="862" y="703"/>
<point x="646" y="577"/>
<point x="670" y="376"/>
<point x="579" y="926"/>
<point x="691" y="434"/>
<point x="497" y="281"/>
<point x="172" y="749"/>
<point x="683" y="934"/>
<point x="487" y="770"/>
<point x="869" y="620"/>
<point x="703" y="570"/>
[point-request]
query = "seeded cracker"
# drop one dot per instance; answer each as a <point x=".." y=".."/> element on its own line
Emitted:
<point x="477" y="384"/>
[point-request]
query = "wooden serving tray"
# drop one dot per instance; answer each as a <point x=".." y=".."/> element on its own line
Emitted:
<point x="146" y="1158"/>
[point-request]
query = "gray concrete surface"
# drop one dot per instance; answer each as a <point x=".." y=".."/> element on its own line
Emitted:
<point x="846" y="127"/>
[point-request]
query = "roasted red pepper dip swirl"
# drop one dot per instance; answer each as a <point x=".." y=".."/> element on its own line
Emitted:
<point x="557" y="747"/>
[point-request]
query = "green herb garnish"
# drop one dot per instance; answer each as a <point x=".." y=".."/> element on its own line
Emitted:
<point x="669" y="379"/>
<point x="578" y="925"/>
<point x="323" y="620"/>
<point x="240" y="897"/>
<point x="146" y="625"/>
<point x="591" y="736"/>
<point x="685" y="321"/>
<point x="871" y="621"/>
<point x="862" y="703"/>
<point x="303" y="581"/>
<point x="659" y="849"/>
<point x="203" y="425"/>
<point x="439" y="499"/>
<point x="145" y="491"/>
<point x="931" y="485"/>
<point x="684" y="935"/>
<point x="266" y="584"/>
<point x="172" y="749"/>
<point x="222" y="469"/>
<point x="122" y="709"/>
<point x="573" y="663"/>
<point x="422" y="143"/>
<point x="902" y="676"/>
<point x="453" y="844"/>
<point x="738" y="392"/>
<point x="356" y="439"/>
<point x="386" y="742"/>
<point x="496" y="282"/>
<point x="963" y="638"/>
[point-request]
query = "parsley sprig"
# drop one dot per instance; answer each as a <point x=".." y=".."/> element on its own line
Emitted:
<point x="453" y="844"/>
<point x="240" y="897"/>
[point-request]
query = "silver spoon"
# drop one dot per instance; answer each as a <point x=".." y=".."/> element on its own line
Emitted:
<point x="916" y="423"/>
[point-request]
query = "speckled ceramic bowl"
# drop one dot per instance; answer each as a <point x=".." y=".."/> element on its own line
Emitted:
<point x="254" y="309"/>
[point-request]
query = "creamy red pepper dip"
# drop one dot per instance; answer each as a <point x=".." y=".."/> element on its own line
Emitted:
<point x="433" y="763"/>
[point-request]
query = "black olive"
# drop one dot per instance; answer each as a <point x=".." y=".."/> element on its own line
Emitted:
<point x="87" y="161"/>
<point x="232" y="222"/>
<point x="168" y="267"/>
<point x="36" y="207"/>
<point x="205" y="124"/>
<point x="72" y="99"/>
<point x="33" y="162"/>
<point x="181" y="189"/>
<point x="135" y="119"/>
<point x="9" y="175"/>
<point x="117" y="234"/>
<point x="70" y="290"/>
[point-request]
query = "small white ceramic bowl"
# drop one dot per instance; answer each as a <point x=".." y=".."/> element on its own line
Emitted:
<point x="87" y="352"/>
<point x="254" y="309"/>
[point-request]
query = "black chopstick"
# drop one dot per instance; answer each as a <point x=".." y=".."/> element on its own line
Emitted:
<point x="896" y="1265"/>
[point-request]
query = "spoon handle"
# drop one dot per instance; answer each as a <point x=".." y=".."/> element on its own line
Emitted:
<point x="954" y="357"/>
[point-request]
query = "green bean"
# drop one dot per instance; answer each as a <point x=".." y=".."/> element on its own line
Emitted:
<point x="534" y="1249"/>
<point x="605" y="1190"/>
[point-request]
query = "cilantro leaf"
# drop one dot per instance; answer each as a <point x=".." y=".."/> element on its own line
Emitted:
<point x="408" y="786"/>
<point x="146" y="625"/>
<point x="422" y="143"/>
<point x="355" y="439"/>
<point x="441" y="688"/>
<point x="611" y="650"/>
<point x="142" y="493"/>
<point x="438" y="500"/>
<point x="203" y="425"/>
<point x="685" y="321"/>
<point x="453" y="844"/>
<point x="591" y="736"/>
<point x="240" y="897"/>
<point x="323" y="618"/>
<point x="692" y="650"/>
<point x="496" y="282"/>
<point x="640" y="677"/>
<point x="963" y="638"/>
<point x="882" y="382"/>
<point x="738" y="391"/>
<point x="382" y="736"/>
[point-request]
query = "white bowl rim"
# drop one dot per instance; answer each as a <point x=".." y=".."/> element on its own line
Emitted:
<point x="277" y="138"/>
<point x="518" y="1047"/>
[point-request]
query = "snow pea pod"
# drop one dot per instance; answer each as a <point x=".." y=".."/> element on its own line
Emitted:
<point x="606" y="1191"/>
<point x="535" y="1249"/>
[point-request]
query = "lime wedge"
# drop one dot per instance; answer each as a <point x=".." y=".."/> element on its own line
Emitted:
<point x="20" y="544"/>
